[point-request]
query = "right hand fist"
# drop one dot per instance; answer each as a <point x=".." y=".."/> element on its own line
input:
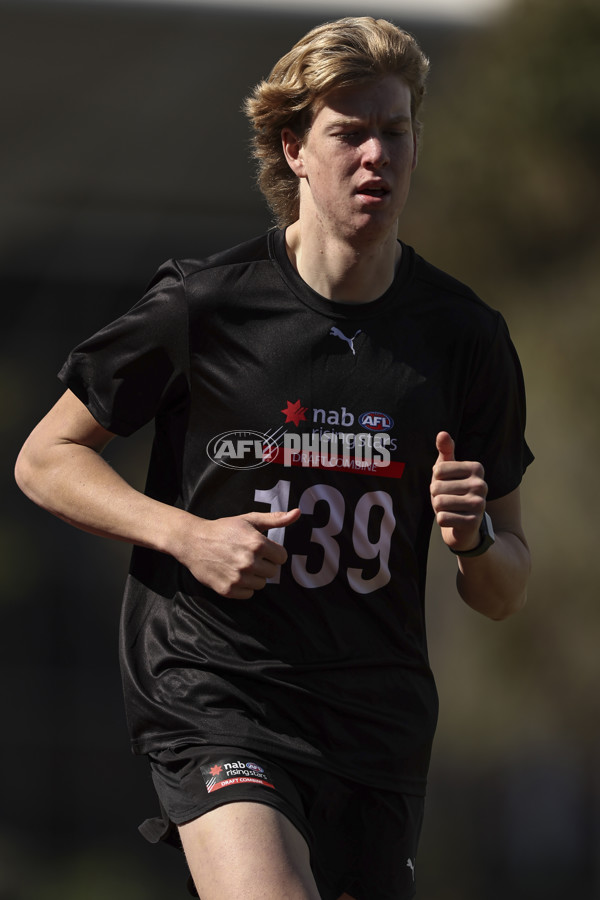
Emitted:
<point x="233" y="555"/>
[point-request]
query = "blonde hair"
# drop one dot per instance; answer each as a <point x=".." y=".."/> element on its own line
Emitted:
<point x="336" y="54"/>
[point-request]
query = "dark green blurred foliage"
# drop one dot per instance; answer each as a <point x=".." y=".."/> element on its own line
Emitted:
<point x="507" y="196"/>
<point x="512" y="179"/>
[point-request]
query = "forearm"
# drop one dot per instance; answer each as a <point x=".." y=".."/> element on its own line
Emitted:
<point x="495" y="583"/>
<point x="232" y="555"/>
<point x="61" y="469"/>
<point x="75" y="483"/>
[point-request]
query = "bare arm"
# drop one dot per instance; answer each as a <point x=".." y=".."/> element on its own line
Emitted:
<point x="60" y="467"/>
<point x="494" y="583"/>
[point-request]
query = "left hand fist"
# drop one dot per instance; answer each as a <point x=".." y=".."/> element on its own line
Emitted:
<point x="458" y="492"/>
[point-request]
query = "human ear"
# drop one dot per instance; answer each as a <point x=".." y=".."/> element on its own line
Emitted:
<point x="292" y="150"/>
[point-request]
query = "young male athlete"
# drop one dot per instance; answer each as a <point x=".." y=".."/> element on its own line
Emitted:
<point x="321" y="394"/>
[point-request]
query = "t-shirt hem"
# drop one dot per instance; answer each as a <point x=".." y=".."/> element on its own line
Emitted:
<point x="415" y="785"/>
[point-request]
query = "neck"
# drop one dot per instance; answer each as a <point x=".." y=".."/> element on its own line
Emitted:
<point x="341" y="270"/>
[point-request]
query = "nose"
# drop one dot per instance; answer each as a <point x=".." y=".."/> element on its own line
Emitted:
<point x="375" y="152"/>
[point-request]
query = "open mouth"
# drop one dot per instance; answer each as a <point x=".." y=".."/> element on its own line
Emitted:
<point x="371" y="198"/>
<point x="373" y="191"/>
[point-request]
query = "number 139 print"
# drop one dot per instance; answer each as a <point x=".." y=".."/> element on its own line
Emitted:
<point x="325" y="535"/>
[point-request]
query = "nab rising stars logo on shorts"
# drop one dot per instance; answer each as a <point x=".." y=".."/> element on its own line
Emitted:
<point x="376" y="421"/>
<point x="226" y="773"/>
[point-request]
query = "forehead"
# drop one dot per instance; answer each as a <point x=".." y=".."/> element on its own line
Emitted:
<point x="388" y="97"/>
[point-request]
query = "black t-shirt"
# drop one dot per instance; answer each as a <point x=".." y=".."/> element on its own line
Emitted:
<point x="267" y="396"/>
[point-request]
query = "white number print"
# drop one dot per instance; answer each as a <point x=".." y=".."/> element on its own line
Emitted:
<point x="278" y="499"/>
<point x="368" y="550"/>
<point x="325" y="535"/>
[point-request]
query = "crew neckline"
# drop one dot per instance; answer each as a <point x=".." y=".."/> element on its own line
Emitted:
<point x="335" y="308"/>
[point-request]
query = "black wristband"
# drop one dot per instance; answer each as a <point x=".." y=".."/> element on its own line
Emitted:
<point x="486" y="532"/>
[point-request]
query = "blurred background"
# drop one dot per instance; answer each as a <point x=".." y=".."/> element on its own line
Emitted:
<point x="122" y="145"/>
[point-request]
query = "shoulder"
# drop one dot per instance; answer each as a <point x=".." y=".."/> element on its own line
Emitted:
<point x="450" y="301"/>
<point x="242" y="255"/>
<point x="204" y="281"/>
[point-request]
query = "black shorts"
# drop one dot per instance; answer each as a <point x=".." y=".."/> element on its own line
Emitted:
<point x="362" y="840"/>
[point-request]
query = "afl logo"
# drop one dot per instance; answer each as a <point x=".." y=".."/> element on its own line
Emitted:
<point x="254" y="767"/>
<point x="376" y="421"/>
<point x="241" y="449"/>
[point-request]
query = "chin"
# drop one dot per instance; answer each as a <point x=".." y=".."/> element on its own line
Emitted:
<point x="373" y="225"/>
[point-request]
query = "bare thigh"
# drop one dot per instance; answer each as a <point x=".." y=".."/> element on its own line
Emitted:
<point x="247" y="851"/>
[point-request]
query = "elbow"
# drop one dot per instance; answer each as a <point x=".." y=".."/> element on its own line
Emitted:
<point x="509" y="608"/>
<point x="494" y="602"/>
<point x="26" y="474"/>
<point x="514" y="597"/>
<point x="22" y="471"/>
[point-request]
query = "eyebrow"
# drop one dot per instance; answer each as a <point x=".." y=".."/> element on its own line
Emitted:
<point x="349" y="120"/>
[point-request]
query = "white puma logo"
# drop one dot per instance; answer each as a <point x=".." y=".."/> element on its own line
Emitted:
<point x="350" y="341"/>
<point x="411" y="866"/>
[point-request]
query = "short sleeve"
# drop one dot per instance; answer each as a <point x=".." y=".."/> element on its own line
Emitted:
<point x="493" y="423"/>
<point x="136" y="368"/>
